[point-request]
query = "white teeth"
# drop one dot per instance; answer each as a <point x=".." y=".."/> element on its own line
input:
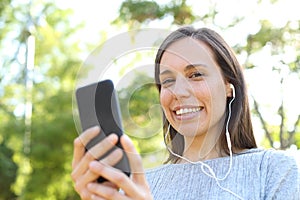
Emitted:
<point x="187" y="110"/>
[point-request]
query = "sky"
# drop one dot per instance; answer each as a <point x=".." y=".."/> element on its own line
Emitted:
<point x="97" y="16"/>
<point x="262" y="81"/>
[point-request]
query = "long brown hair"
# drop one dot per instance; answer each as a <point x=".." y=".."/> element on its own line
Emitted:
<point x="240" y="125"/>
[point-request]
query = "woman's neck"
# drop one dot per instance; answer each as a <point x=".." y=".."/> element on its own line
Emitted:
<point x="202" y="148"/>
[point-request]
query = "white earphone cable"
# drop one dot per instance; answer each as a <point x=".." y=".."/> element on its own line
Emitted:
<point x="210" y="172"/>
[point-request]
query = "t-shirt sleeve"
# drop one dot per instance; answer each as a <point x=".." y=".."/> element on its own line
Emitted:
<point x="282" y="177"/>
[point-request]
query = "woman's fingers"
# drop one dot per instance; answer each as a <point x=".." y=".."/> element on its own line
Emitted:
<point x="132" y="188"/>
<point x="101" y="191"/>
<point x="113" y="158"/>
<point x="86" y="169"/>
<point x="94" y="153"/>
<point x="81" y="174"/>
<point x="80" y="143"/>
<point x="94" y="197"/>
<point x="135" y="160"/>
<point x="117" y="177"/>
<point x="137" y="170"/>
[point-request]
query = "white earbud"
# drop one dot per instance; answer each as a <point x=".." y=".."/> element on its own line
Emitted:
<point x="233" y="90"/>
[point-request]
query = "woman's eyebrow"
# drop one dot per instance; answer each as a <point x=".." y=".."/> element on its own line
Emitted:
<point x="193" y="66"/>
<point x="187" y="68"/>
<point x="164" y="72"/>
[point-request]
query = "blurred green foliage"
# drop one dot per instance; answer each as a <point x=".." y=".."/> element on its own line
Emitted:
<point x="44" y="168"/>
<point x="142" y="118"/>
<point x="8" y="172"/>
<point x="136" y="12"/>
<point x="43" y="172"/>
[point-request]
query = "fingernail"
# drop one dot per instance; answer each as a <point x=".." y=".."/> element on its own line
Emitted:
<point x="93" y="164"/>
<point x="112" y="137"/>
<point x="125" y="137"/>
<point x="96" y="128"/>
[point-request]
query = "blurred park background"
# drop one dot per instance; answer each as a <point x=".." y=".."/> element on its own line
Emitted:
<point x="43" y="45"/>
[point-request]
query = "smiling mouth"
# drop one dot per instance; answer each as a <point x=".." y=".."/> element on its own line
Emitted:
<point x="183" y="111"/>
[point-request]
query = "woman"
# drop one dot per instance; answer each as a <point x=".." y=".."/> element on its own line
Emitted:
<point x="207" y="130"/>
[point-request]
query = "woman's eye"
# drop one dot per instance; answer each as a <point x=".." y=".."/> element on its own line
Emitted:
<point x="196" y="75"/>
<point x="167" y="82"/>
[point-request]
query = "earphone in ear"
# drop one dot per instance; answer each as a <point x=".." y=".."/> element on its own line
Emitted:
<point x="233" y="90"/>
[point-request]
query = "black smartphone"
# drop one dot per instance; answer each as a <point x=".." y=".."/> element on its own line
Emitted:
<point x="98" y="106"/>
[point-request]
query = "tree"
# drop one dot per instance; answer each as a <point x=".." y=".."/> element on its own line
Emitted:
<point x="8" y="171"/>
<point x="142" y="118"/>
<point x="137" y="12"/>
<point x="41" y="141"/>
<point x="281" y="39"/>
<point x="281" y="42"/>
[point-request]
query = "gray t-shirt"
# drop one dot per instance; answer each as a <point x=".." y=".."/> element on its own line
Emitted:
<point x="255" y="174"/>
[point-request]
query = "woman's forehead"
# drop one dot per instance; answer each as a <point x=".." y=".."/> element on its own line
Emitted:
<point x="188" y="51"/>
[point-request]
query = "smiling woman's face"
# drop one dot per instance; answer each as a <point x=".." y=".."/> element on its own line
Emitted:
<point x="193" y="91"/>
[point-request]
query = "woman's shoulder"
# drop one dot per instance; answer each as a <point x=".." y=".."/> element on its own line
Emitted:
<point x="282" y="174"/>
<point x="273" y="164"/>
<point x="278" y="157"/>
<point x="269" y="157"/>
<point x="158" y="168"/>
<point x="268" y="154"/>
<point x="265" y="158"/>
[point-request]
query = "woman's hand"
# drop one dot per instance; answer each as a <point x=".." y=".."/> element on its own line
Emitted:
<point x="81" y="174"/>
<point x="86" y="170"/>
<point x="135" y="187"/>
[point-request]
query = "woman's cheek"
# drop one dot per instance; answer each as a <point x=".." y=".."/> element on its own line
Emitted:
<point x="165" y="99"/>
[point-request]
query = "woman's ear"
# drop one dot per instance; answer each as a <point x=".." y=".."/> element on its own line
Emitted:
<point x="229" y="89"/>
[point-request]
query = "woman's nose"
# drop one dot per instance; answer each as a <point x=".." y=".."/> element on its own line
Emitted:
<point x="181" y="88"/>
